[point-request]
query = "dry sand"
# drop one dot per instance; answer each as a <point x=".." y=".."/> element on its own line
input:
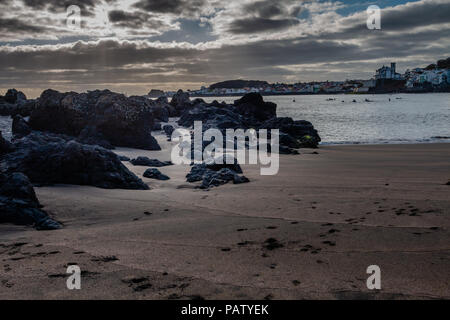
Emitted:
<point x="334" y="213"/>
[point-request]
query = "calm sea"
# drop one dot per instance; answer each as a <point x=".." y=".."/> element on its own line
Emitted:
<point x="407" y="118"/>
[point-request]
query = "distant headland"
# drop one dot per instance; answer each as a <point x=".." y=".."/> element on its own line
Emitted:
<point x="433" y="78"/>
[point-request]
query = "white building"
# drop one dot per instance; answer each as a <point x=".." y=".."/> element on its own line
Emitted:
<point x="418" y="77"/>
<point x="388" y="73"/>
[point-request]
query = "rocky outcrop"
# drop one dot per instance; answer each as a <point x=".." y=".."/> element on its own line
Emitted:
<point x="14" y="96"/>
<point x="50" y="159"/>
<point x="90" y="135"/>
<point x="155" y="93"/>
<point x="253" y="108"/>
<point x="15" y="102"/>
<point x="119" y="120"/>
<point x="214" y="178"/>
<point x="213" y="115"/>
<point x="300" y="130"/>
<point x="168" y="129"/>
<point x="124" y="158"/>
<point x="252" y="112"/>
<point x="155" y="174"/>
<point x="19" y="204"/>
<point x="5" y="146"/>
<point x="180" y="100"/>
<point x="147" y="162"/>
<point x="20" y="127"/>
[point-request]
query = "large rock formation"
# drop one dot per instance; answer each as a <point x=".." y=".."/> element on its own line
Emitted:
<point x="180" y="100"/>
<point x="253" y="108"/>
<point x="20" y="127"/>
<point x="49" y="159"/>
<point x="15" y="102"/>
<point x="214" y="115"/>
<point x="251" y="112"/>
<point x="300" y="130"/>
<point x="117" y="119"/>
<point x="19" y="204"/>
<point x="14" y="96"/>
<point x="5" y="146"/>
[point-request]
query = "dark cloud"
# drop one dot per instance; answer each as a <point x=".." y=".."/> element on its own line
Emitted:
<point x="327" y="54"/>
<point x="258" y="25"/>
<point x="413" y="15"/>
<point x="171" y="6"/>
<point x="134" y="20"/>
<point x="265" y="9"/>
<point x="86" y="6"/>
<point x="264" y="16"/>
<point x="18" y="26"/>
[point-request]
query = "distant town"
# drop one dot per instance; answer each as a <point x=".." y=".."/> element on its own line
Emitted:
<point x="433" y="78"/>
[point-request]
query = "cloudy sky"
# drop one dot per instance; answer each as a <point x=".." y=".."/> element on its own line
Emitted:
<point x="133" y="46"/>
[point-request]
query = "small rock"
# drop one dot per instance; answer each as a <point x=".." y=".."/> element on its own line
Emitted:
<point x="155" y="174"/>
<point x="147" y="162"/>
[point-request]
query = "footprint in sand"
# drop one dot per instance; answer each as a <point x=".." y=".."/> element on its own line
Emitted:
<point x="272" y="244"/>
<point x="105" y="259"/>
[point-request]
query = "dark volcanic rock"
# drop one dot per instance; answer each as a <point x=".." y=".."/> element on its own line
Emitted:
<point x="214" y="178"/>
<point x="5" y="146"/>
<point x="168" y="129"/>
<point x="251" y="112"/>
<point x="124" y="158"/>
<point x="14" y="96"/>
<point x="180" y="99"/>
<point x="20" y="127"/>
<point x="253" y="107"/>
<point x="48" y="159"/>
<point x="289" y="141"/>
<point x="147" y="162"/>
<point x="196" y="174"/>
<point x="15" y="102"/>
<point x="19" y="204"/>
<point x="223" y="176"/>
<point x="122" y="121"/>
<point x="227" y="162"/>
<point x="90" y="135"/>
<point x="302" y="131"/>
<point x="157" y="126"/>
<point x="212" y="116"/>
<point x="155" y="174"/>
<point x="160" y="112"/>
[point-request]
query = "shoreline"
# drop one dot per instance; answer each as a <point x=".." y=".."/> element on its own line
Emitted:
<point x="444" y="139"/>
<point x="319" y="94"/>
<point x="332" y="215"/>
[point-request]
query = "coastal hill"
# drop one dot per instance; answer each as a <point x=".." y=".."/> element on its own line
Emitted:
<point x="441" y="64"/>
<point x="238" y="84"/>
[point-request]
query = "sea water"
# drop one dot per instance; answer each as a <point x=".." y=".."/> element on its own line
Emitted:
<point x="372" y="119"/>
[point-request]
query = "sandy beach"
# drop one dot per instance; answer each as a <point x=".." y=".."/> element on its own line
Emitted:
<point x="329" y="216"/>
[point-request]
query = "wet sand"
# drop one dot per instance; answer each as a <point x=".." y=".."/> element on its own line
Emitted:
<point x="327" y="217"/>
